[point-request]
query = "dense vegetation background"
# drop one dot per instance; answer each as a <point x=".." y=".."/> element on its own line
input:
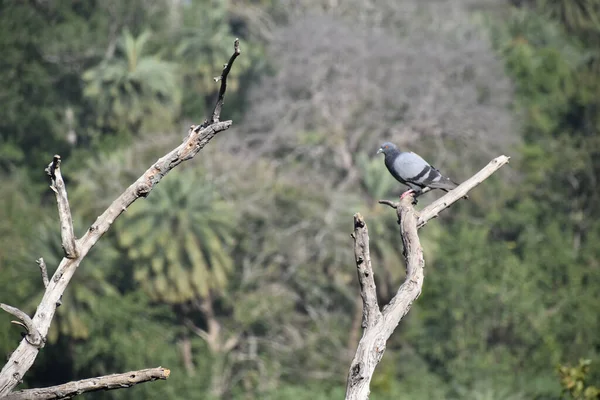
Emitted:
<point x="237" y="273"/>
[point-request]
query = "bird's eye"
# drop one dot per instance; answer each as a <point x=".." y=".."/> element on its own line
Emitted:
<point x="386" y="146"/>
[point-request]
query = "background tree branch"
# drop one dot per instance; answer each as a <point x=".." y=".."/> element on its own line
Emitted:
<point x="107" y="382"/>
<point x="377" y="331"/>
<point x="24" y="356"/>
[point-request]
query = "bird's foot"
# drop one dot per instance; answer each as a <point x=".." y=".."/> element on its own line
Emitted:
<point x="408" y="192"/>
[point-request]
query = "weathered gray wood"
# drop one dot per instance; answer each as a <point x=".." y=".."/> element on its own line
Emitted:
<point x="107" y="382"/>
<point x="379" y="325"/>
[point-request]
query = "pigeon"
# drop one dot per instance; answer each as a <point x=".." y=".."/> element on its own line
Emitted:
<point x="410" y="169"/>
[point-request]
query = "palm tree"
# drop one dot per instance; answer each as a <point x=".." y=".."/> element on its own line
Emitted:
<point x="133" y="86"/>
<point x="577" y="16"/>
<point x="179" y="239"/>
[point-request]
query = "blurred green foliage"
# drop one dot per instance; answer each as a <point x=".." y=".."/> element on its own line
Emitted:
<point x="253" y="247"/>
<point x="573" y="381"/>
<point x="180" y="239"/>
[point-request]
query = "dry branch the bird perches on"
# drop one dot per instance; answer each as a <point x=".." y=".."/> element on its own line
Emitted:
<point x="23" y="357"/>
<point x="378" y="325"/>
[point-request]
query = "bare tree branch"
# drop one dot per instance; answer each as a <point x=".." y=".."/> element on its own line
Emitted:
<point x="107" y="382"/>
<point x="371" y="312"/>
<point x="198" y="136"/>
<point x="44" y="271"/>
<point x="67" y="233"/>
<point x="372" y="344"/>
<point x="33" y="336"/>
<point x="376" y="333"/>
<point x="432" y="210"/>
<point x="216" y="114"/>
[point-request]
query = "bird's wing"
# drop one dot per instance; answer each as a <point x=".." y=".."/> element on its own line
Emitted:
<point x="414" y="169"/>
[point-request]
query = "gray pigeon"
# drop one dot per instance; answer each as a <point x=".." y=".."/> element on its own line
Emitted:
<point x="410" y="169"/>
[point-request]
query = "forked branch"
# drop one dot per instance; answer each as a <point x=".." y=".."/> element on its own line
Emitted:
<point x="33" y="336"/>
<point x="378" y="329"/>
<point x="76" y="249"/>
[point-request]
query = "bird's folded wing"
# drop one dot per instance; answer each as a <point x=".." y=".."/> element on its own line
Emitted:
<point x="413" y="168"/>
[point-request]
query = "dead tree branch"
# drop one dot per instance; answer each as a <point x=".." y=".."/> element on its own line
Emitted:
<point x="366" y="280"/>
<point x="216" y="114"/>
<point x="67" y="234"/>
<point x="23" y="357"/>
<point x="107" y="382"/>
<point x="377" y="330"/>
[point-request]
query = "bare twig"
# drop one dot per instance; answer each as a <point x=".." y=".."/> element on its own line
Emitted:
<point x="57" y="185"/>
<point x="23" y="357"/>
<point x="44" y="271"/>
<point x="108" y="382"/>
<point x="375" y="335"/>
<point x="390" y="203"/>
<point x="366" y="280"/>
<point x="33" y="336"/>
<point x="216" y="114"/>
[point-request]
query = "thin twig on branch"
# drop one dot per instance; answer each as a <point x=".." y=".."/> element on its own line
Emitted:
<point x="216" y="114"/>
<point x="376" y="332"/>
<point x="67" y="234"/>
<point x="25" y="354"/>
<point x="43" y="270"/>
<point x="107" y="382"/>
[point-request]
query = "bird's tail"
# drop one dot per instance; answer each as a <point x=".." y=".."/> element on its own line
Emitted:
<point x="445" y="184"/>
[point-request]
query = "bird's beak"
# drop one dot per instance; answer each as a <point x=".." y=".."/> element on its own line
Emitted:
<point x="380" y="151"/>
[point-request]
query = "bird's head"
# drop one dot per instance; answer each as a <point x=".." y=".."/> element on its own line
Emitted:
<point x="386" y="147"/>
